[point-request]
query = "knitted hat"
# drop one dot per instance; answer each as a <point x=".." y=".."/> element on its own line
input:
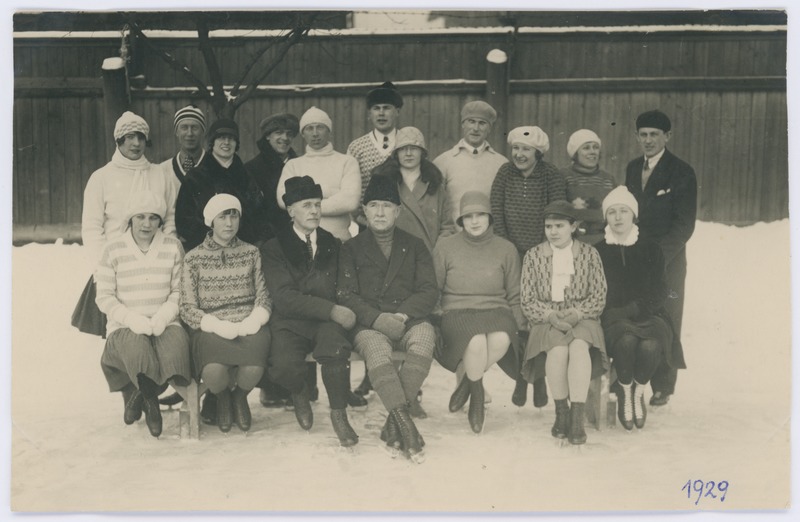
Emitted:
<point x="531" y="136"/>
<point x="480" y="110"/>
<point x="410" y="136"/>
<point x="276" y="122"/>
<point x="653" y="119"/>
<point x="314" y="115"/>
<point x="218" y="204"/>
<point x="145" y="202"/>
<point x="300" y="188"/>
<point x="382" y="188"/>
<point x="130" y="122"/>
<point x="190" y="112"/>
<point x="578" y="138"/>
<point x="471" y="202"/>
<point x="621" y="196"/>
<point x="223" y="128"/>
<point x="386" y="93"/>
<point x="560" y="209"/>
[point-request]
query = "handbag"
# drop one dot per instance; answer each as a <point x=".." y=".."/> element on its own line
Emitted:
<point x="87" y="317"/>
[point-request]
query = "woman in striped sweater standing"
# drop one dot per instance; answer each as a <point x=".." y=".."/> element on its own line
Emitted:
<point x="138" y="286"/>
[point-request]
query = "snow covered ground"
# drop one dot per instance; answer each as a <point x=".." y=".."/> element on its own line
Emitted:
<point x="730" y="420"/>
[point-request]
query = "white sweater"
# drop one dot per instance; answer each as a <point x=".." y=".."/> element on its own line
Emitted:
<point x="340" y="178"/>
<point x="105" y="200"/>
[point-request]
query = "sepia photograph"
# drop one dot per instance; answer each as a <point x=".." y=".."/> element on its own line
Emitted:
<point x="304" y="260"/>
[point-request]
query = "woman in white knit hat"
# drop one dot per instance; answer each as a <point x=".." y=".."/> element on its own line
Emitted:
<point x="638" y="330"/>
<point x="224" y="300"/>
<point x="106" y="199"/>
<point x="587" y="183"/>
<point x="138" y="287"/>
<point x="520" y="192"/>
<point x="338" y="174"/>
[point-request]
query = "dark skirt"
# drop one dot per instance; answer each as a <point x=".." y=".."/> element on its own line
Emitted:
<point x="87" y="317"/>
<point x="247" y="350"/>
<point x="655" y="328"/>
<point x="127" y="354"/>
<point x="458" y="327"/>
<point x="544" y="337"/>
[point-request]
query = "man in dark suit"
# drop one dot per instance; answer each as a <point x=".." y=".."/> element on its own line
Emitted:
<point x="300" y="267"/>
<point x="666" y="189"/>
<point x="386" y="277"/>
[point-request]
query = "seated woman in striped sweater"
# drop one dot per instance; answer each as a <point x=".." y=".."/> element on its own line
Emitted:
<point x="138" y="286"/>
<point x="224" y="300"/>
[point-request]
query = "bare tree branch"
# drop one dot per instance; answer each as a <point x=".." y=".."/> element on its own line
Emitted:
<point x="218" y="98"/>
<point x="254" y="60"/>
<point x="173" y="62"/>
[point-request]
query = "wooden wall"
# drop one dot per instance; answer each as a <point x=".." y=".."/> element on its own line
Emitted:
<point x="725" y="94"/>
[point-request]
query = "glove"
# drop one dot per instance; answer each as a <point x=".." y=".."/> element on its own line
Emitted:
<point x="138" y="323"/>
<point x="209" y="323"/>
<point x="228" y="330"/>
<point x="253" y="322"/>
<point x="158" y="325"/>
<point x="558" y="323"/>
<point x="390" y="326"/>
<point x="571" y="316"/>
<point x="165" y="315"/>
<point x="400" y="317"/>
<point x="343" y="316"/>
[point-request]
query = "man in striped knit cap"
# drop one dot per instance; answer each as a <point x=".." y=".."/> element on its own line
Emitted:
<point x="190" y="128"/>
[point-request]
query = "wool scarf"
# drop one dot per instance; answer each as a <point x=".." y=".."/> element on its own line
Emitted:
<point x="563" y="269"/>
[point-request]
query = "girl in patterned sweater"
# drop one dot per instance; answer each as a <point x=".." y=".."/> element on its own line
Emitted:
<point x="563" y="292"/>
<point x="138" y="281"/>
<point x="224" y="300"/>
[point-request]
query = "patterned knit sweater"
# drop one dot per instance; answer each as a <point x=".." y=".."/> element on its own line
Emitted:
<point x="226" y="282"/>
<point x="369" y="156"/>
<point x="518" y="202"/>
<point x="131" y="280"/>
<point x="586" y="191"/>
<point x="480" y="273"/>
<point x="586" y="291"/>
<point x="464" y="171"/>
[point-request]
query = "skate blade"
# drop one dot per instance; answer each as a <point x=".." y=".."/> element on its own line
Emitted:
<point x="417" y="458"/>
<point x="392" y="451"/>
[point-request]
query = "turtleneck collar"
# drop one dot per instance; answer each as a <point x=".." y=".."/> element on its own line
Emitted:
<point x="485" y="237"/>
<point x="384" y="238"/>
<point x="324" y="151"/>
<point x="580" y="169"/>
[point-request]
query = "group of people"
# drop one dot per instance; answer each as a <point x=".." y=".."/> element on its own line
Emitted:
<point x="469" y="259"/>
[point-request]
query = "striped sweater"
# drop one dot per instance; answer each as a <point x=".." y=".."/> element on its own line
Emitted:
<point x="130" y="280"/>
<point x="226" y="282"/>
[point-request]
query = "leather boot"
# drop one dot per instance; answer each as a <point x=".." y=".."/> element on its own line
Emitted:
<point x="208" y="411"/>
<point x="347" y="436"/>
<point x="171" y="400"/>
<point x="302" y="409"/>
<point x="224" y="411"/>
<point x="625" y="406"/>
<point x="561" y="426"/>
<point x="408" y="433"/>
<point x="460" y="396"/>
<point x="364" y="388"/>
<point x="241" y="410"/>
<point x="152" y="415"/>
<point x="132" y="398"/>
<point x="520" y="395"/>
<point x="540" y="393"/>
<point x="356" y="401"/>
<point x="577" y="435"/>
<point x="659" y="399"/>
<point x="639" y="409"/>
<point x="476" y="407"/>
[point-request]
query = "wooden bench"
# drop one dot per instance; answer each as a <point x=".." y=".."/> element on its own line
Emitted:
<point x="190" y="408"/>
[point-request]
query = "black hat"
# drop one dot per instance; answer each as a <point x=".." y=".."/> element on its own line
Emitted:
<point x="300" y="188"/>
<point x="560" y="209"/>
<point x="653" y="119"/>
<point x="223" y="128"/>
<point x="282" y="121"/>
<point x="386" y="93"/>
<point x="382" y="188"/>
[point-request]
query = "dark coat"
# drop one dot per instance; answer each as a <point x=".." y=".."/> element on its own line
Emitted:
<point x="637" y="288"/>
<point x="205" y="181"/>
<point x="369" y="284"/>
<point x="300" y="291"/>
<point x="266" y="170"/>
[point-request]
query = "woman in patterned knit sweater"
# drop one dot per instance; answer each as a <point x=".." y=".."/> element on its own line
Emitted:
<point x="521" y="190"/>
<point x="138" y="285"/>
<point x="224" y="300"/>
<point x="587" y="183"/>
<point x="563" y="294"/>
<point x="478" y="275"/>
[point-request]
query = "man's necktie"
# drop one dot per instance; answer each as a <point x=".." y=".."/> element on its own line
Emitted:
<point x="310" y="249"/>
<point x="646" y="171"/>
<point x="386" y="142"/>
<point x="474" y="151"/>
<point x="188" y="163"/>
